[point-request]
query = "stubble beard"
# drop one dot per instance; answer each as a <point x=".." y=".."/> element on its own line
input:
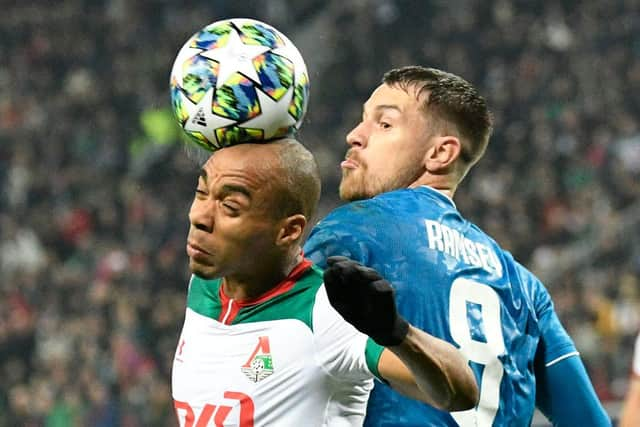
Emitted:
<point x="355" y="187"/>
<point x="360" y="186"/>
<point x="352" y="187"/>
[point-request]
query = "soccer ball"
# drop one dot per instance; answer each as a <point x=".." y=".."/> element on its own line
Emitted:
<point x="238" y="80"/>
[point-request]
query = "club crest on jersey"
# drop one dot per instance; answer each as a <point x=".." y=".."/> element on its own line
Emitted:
<point x="260" y="364"/>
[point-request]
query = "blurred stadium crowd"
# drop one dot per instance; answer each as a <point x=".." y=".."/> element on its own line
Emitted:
<point x="95" y="184"/>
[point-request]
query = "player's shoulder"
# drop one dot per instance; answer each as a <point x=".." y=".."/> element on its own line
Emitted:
<point x="306" y="287"/>
<point x="530" y="283"/>
<point x="410" y="197"/>
<point x="293" y="299"/>
<point x="391" y="203"/>
<point x="524" y="273"/>
<point x="357" y="211"/>
<point x="343" y="222"/>
<point x="312" y="278"/>
<point x="348" y="225"/>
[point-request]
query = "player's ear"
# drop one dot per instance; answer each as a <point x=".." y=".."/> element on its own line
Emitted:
<point x="441" y="156"/>
<point x="291" y="229"/>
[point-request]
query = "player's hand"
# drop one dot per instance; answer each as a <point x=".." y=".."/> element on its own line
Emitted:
<point x="365" y="300"/>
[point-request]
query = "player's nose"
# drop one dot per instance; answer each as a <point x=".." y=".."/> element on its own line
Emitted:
<point x="357" y="137"/>
<point x="201" y="215"/>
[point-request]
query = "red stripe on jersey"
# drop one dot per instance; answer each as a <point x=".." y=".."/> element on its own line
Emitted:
<point x="231" y="307"/>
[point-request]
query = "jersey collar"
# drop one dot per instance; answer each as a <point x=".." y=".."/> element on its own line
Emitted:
<point x="440" y="195"/>
<point x="279" y="289"/>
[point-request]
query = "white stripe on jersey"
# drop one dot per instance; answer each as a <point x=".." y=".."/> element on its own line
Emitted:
<point x="229" y="307"/>
<point x="564" y="356"/>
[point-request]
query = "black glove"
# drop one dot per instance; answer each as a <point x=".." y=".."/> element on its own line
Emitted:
<point x="365" y="300"/>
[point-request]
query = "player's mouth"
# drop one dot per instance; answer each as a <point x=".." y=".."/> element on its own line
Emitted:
<point x="349" y="163"/>
<point x="194" y="251"/>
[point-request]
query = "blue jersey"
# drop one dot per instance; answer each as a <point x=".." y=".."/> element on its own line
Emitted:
<point x="454" y="282"/>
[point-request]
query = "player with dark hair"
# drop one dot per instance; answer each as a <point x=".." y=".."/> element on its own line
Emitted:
<point x="262" y="343"/>
<point x="421" y="131"/>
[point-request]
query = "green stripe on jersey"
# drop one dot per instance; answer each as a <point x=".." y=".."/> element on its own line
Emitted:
<point x="297" y="303"/>
<point x="373" y="352"/>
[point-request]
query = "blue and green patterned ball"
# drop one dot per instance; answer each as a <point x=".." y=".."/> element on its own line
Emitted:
<point x="239" y="80"/>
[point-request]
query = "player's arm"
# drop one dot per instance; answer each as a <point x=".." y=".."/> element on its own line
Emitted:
<point x="415" y="363"/>
<point x="630" y="416"/>
<point x="631" y="408"/>
<point x="564" y="392"/>
<point x="429" y="369"/>
<point x="566" y="397"/>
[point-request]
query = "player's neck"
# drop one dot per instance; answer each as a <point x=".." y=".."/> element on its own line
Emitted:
<point x="446" y="188"/>
<point x="247" y="287"/>
<point x="445" y="182"/>
<point x="446" y="191"/>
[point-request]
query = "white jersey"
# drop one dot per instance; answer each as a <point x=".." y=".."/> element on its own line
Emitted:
<point x="635" y="367"/>
<point x="287" y="359"/>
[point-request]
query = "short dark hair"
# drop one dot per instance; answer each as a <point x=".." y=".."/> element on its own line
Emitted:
<point x="301" y="185"/>
<point x="452" y="100"/>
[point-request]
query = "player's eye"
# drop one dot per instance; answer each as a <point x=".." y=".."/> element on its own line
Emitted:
<point x="231" y="208"/>
<point x="385" y="125"/>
